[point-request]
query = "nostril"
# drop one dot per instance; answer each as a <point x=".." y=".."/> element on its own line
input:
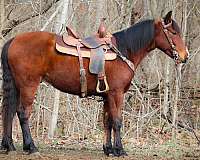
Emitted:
<point x="185" y="60"/>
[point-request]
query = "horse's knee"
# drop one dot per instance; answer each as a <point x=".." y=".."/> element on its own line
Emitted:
<point x="27" y="101"/>
<point x="117" y="124"/>
<point x="107" y="121"/>
<point x="27" y="95"/>
<point x="23" y="117"/>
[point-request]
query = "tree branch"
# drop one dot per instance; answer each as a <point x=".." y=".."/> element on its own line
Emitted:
<point x="13" y="23"/>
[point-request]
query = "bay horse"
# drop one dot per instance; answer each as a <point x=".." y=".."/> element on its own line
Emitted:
<point x="31" y="57"/>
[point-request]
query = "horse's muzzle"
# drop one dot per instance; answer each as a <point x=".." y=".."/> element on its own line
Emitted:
<point x="178" y="59"/>
<point x="185" y="60"/>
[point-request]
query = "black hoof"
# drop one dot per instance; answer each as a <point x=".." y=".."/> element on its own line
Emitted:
<point x="3" y="148"/>
<point x="107" y="149"/>
<point x="30" y="149"/>
<point x="119" y="152"/>
<point x="7" y="145"/>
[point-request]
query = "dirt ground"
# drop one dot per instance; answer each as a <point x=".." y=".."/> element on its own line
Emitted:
<point x="167" y="152"/>
<point x="65" y="155"/>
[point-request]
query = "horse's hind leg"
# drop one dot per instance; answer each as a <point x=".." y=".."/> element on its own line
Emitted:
<point x="7" y="118"/>
<point x="10" y="100"/>
<point x="27" y="95"/>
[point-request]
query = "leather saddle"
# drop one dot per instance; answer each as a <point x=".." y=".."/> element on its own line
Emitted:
<point x="97" y="47"/>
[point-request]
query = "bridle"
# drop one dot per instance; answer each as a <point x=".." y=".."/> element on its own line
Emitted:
<point x="174" y="51"/>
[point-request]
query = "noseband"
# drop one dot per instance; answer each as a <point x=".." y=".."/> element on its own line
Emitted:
<point x="174" y="51"/>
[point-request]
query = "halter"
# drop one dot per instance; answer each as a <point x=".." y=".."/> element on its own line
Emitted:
<point x="174" y="51"/>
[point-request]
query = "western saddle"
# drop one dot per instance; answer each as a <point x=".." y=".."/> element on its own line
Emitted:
<point x="98" y="46"/>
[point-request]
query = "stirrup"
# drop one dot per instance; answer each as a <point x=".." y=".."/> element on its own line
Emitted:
<point x="106" y="84"/>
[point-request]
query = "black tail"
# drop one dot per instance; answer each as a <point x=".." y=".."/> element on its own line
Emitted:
<point x="10" y="93"/>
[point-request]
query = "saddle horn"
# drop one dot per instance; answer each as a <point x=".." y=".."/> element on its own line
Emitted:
<point x="102" y="29"/>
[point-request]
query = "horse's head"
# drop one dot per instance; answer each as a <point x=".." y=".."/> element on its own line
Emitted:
<point x="168" y="39"/>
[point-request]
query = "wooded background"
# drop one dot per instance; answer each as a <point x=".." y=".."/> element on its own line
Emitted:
<point x="155" y="111"/>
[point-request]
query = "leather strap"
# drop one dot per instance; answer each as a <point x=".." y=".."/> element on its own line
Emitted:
<point x="128" y="62"/>
<point x="101" y="75"/>
<point x="169" y="39"/>
<point x="83" y="80"/>
<point x="165" y="30"/>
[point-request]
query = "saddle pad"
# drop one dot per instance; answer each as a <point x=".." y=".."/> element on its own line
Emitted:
<point x="69" y="50"/>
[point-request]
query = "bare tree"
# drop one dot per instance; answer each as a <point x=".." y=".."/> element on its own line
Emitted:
<point x="61" y="21"/>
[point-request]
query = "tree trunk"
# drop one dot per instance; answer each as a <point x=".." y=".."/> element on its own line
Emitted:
<point x="2" y="9"/>
<point x="100" y="11"/>
<point x="61" y="21"/>
<point x="2" y="17"/>
<point x="53" y="120"/>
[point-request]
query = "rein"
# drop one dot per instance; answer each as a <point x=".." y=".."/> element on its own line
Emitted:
<point x="112" y="45"/>
<point x="128" y="62"/>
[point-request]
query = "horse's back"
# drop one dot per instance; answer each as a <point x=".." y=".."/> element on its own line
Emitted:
<point x="28" y="54"/>
<point x="33" y="40"/>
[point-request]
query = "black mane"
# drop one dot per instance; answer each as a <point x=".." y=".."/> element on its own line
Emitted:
<point x="136" y="37"/>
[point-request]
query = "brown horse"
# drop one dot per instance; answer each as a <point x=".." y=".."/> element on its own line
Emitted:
<point x="31" y="57"/>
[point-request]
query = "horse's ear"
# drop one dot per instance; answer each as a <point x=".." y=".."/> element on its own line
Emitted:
<point x="168" y="17"/>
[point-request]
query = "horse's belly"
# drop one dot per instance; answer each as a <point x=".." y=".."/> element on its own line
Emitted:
<point x="69" y="82"/>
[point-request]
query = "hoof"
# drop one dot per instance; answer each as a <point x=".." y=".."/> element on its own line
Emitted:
<point x="7" y="145"/>
<point x="30" y="149"/>
<point x="117" y="152"/>
<point x="107" y="150"/>
<point x="2" y="149"/>
<point x="7" y="150"/>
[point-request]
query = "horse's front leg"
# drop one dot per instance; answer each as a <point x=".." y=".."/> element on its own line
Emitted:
<point x="115" y="100"/>
<point x="107" y="121"/>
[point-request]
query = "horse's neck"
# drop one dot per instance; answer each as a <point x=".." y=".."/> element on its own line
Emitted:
<point x="138" y="56"/>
